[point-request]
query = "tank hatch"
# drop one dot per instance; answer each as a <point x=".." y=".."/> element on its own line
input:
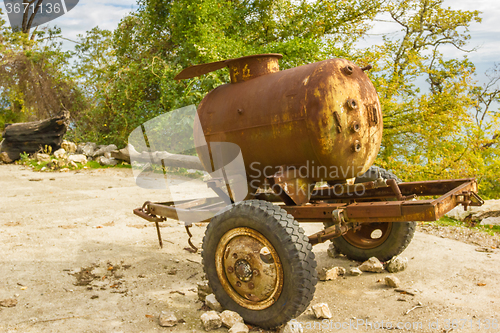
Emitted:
<point x="240" y="69"/>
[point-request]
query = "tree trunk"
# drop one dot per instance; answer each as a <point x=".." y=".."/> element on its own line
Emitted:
<point x="33" y="136"/>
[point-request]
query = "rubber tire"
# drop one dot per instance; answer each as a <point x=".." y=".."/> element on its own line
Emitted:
<point x="293" y="248"/>
<point x="400" y="235"/>
<point x="399" y="238"/>
<point x="373" y="173"/>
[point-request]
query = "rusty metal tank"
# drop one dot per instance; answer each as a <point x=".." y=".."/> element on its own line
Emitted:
<point x="320" y="116"/>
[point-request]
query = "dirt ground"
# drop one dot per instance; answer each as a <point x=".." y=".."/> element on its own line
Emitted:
<point x="77" y="260"/>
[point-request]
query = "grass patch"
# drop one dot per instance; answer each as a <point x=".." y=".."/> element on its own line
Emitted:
<point x="59" y="164"/>
<point x="446" y="221"/>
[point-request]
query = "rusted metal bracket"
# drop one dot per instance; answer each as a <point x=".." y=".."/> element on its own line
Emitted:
<point x="469" y="198"/>
<point x="394" y="186"/>
<point x="144" y="212"/>
<point x="189" y="239"/>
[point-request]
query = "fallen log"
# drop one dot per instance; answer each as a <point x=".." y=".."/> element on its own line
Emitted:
<point x="173" y="160"/>
<point x="32" y="136"/>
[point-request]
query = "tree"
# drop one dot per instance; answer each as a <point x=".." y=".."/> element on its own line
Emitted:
<point x="34" y="77"/>
<point x="155" y="43"/>
<point x="431" y="133"/>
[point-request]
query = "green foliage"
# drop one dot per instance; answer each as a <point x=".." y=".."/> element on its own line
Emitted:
<point x="449" y="222"/>
<point x="434" y="133"/>
<point x="34" y="79"/>
<point x="62" y="165"/>
<point x="152" y="45"/>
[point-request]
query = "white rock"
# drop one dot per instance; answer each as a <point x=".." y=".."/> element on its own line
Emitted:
<point x="322" y="311"/>
<point x="392" y="281"/>
<point x="491" y="208"/>
<point x="397" y="264"/>
<point x="355" y="271"/>
<point x="69" y="146"/>
<point x="331" y="273"/>
<point x="60" y="153"/>
<point x="203" y="290"/>
<point x="230" y="318"/>
<point x="102" y="160"/>
<point x="105" y="149"/>
<point x="87" y="149"/>
<point x="293" y="326"/>
<point x="211" y="320"/>
<point x="212" y="303"/>
<point x="239" y="328"/>
<point x="167" y="319"/>
<point x="122" y="154"/>
<point x="42" y="157"/>
<point x="372" y="265"/>
<point x="491" y="221"/>
<point x="332" y="251"/>
<point x="77" y="158"/>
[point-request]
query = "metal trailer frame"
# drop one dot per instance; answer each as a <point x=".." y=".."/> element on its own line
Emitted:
<point x="341" y="206"/>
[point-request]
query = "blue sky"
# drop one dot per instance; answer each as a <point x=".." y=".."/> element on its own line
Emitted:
<point x="485" y="36"/>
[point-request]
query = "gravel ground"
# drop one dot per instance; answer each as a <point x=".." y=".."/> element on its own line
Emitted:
<point x="75" y="259"/>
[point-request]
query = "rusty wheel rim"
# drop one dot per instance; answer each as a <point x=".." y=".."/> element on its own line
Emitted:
<point x="249" y="268"/>
<point x="369" y="236"/>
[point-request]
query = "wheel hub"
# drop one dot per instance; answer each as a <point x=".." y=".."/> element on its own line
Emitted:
<point x="369" y="236"/>
<point x="249" y="268"/>
<point x="243" y="270"/>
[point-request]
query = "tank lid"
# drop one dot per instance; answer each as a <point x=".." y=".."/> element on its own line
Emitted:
<point x="241" y="69"/>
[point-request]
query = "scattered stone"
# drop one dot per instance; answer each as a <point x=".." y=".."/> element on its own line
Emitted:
<point x="327" y="274"/>
<point x="73" y="164"/>
<point x="392" y="281"/>
<point x="212" y="303"/>
<point x="122" y="154"/>
<point x="106" y="161"/>
<point x="211" y="320"/>
<point x="397" y="264"/>
<point x="60" y="153"/>
<point x="8" y="303"/>
<point x="406" y="291"/>
<point x="491" y="220"/>
<point x="239" y="328"/>
<point x="94" y="296"/>
<point x="5" y="158"/>
<point x="293" y="326"/>
<point x="322" y="311"/>
<point x="203" y="290"/>
<point x="355" y="271"/>
<point x="42" y="157"/>
<point x="484" y="249"/>
<point x="167" y="319"/>
<point x="230" y="318"/>
<point x="87" y="149"/>
<point x="77" y="158"/>
<point x="372" y="265"/>
<point x="332" y="251"/>
<point x="105" y="149"/>
<point x="490" y="208"/>
<point x="68" y="146"/>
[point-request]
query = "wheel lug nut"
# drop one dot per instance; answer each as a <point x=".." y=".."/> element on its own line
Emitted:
<point x="251" y="285"/>
<point x="230" y="269"/>
<point x="238" y="283"/>
<point x="235" y="255"/>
